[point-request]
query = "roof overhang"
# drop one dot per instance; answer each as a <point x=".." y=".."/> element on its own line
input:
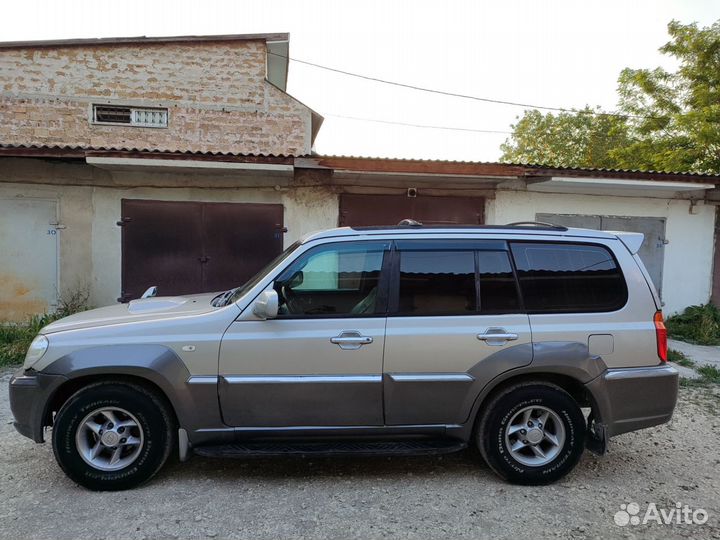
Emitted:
<point x="617" y="186"/>
<point x="89" y="42"/>
<point x="277" y="62"/>
<point x="190" y="166"/>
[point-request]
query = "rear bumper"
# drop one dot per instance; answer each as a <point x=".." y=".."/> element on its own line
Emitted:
<point x="29" y="394"/>
<point x="634" y="398"/>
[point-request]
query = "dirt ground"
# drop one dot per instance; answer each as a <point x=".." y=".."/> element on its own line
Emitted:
<point x="453" y="496"/>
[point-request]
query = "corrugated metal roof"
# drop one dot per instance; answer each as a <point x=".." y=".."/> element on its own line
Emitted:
<point x="538" y="166"/>
<point x="428" y="166"/>
<point x="614" y="171"/>
<point x="358" y="163"/>
<point x="82" y="150"/>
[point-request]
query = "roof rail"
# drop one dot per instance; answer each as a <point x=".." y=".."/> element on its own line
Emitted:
<point x="409" y="223"/>
<point x="537" y="224"/>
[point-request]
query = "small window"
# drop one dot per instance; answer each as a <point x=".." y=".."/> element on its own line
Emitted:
<point x="498" y="290"/>
<point x="568" y="277"/>
<point x="131" y="116"/>
<point x="333" y="280"/>
<point x="113" y="115"/>
<point x="437" y="283"/>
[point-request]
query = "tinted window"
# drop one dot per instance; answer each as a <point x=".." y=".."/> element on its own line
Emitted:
<point x="437" y="283"/>
<point x="334" y="279"/>
<point x="498" y="290"/>
<point x="568" y="277"/>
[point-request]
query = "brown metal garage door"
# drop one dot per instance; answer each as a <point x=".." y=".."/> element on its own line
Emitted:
<point x="368" y="210"/>
<point x="188" y="247"/>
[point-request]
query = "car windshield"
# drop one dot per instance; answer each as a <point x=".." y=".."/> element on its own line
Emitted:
<point x="232" y="295"/>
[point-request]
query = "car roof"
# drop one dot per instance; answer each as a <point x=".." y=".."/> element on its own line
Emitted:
<point x="462" y="230"/>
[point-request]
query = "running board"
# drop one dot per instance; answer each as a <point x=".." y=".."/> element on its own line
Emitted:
<point x="333" y="448"/>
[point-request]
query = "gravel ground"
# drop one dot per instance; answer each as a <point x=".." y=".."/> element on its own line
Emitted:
<point x="454" y="496"/>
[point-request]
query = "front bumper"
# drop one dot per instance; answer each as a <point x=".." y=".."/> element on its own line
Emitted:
<point x="29" y="395"/>
<point x="634" y="398"/>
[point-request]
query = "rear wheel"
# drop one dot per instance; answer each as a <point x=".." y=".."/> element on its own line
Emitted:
<point x="112" y="435"/>
<point x="532" y="433"/>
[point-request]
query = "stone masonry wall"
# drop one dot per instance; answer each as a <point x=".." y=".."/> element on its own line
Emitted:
<point x="216" y="93"/>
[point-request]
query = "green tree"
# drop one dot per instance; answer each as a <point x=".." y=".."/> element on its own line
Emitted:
<point x="674" y="118"/>
<point x="567" y="139"/>
<point x="668" y="121"/>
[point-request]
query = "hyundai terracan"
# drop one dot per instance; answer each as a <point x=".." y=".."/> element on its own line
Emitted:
<point x="528" y="341"/>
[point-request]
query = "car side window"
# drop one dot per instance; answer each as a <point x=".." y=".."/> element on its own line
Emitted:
<point x="565" y="278"/>
<point x="437" y="283"/>
<point x="340" y="279"/>
<point x="498" y="288"/>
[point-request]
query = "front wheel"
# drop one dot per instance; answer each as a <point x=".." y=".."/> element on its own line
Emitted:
<point x="112" y="435"/>
<point x="532" y="433"/>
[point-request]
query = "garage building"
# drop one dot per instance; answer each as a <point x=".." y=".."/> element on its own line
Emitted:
<point x="183" y="163"/>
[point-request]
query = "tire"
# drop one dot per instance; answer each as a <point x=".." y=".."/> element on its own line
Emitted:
<point x="142" y="417"/>
<point x="560" y="442"/>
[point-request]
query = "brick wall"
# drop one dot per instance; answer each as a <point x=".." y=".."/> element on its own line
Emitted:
<point x="216" y="94"/>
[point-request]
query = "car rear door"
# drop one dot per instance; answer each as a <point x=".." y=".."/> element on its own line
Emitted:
<point x="455" y="321"/>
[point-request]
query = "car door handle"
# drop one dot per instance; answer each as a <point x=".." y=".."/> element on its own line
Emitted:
<point x="497" y="336"/>
<point x="506" y="337"/>
<point x="351" y="340"/>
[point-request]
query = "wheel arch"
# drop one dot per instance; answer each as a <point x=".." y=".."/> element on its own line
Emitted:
<point x="155" y="366"/>
<point x="66" y="390"/>
<point x="573" y="386"/>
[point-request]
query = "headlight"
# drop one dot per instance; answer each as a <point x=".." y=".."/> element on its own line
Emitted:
<point x="36" y="351"/>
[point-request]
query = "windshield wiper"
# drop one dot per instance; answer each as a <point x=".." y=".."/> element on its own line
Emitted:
<point x="221" y="299"/>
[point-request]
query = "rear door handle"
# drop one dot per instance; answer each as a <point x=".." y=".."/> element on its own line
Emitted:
<point x="497" y="336"/>
<point x="506" y="337"/>
<point x="351" y="340"/>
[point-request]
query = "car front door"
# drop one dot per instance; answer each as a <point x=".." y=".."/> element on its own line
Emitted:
<point x="319" y="362"/>
<point x="455" y="322"/>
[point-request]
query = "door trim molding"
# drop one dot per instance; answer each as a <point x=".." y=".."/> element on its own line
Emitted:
<point x="431" y="377"/>
<point x="203" y="379"/>
<point x="294" y="379"/>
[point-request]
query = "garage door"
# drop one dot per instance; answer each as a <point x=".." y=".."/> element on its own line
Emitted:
<point x="652" y="252"/>
<point x="189" y="247"/>
<point x="369" y="210"/>
<point x="29" y="247"/>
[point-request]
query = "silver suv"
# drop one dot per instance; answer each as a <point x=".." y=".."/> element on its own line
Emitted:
<point x="529" y="341"/>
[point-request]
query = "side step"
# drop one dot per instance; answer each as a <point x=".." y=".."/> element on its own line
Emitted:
<point x="332" y="448"/>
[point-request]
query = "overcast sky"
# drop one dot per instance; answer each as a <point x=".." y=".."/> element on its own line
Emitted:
<point x="561" y="53"/>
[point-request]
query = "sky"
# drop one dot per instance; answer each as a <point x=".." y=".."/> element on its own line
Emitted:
<point x="557" y="53"/>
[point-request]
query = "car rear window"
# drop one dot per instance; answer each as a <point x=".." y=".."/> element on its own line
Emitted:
<point x="437" y="283"/>
<point x="568" y="277"/>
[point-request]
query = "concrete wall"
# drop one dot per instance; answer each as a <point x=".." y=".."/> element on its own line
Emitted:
<point x="216" y="93"/>
<point x="687" y="272"/>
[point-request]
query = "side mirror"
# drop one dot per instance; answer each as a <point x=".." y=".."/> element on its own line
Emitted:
<point x="266" y="305"/>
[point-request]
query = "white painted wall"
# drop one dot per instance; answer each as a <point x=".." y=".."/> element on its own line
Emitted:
<point x="687" y="272"/>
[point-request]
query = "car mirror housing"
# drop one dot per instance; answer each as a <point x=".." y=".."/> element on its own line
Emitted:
<point x="266" y="305"/>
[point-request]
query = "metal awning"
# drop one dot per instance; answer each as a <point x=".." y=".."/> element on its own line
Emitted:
<point x="616" y="186"/>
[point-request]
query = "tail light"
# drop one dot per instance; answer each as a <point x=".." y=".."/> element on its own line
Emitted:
<point x="661" y="336"/>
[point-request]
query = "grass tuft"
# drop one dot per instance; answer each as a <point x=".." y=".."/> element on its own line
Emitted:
<point x="710" y="374"/>
<point x="680" y="358"/>
<point x="697" y="324"/>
